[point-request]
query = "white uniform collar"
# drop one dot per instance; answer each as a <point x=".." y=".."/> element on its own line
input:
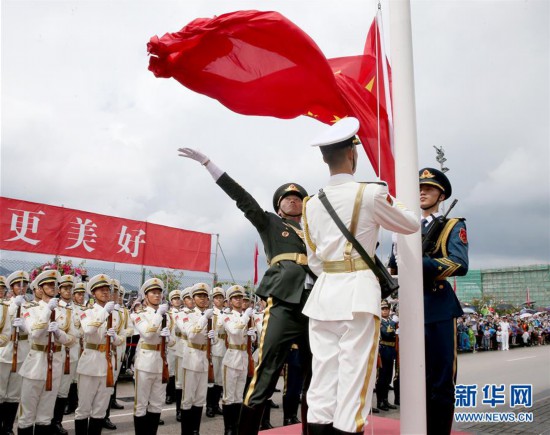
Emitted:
<point x="337" y="179"/>
<point x="432" y="216"/>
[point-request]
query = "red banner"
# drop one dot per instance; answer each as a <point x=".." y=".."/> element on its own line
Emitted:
<point x="32" y="227"/>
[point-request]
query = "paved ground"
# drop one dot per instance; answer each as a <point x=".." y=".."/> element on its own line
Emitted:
<point x="522" y="366"/>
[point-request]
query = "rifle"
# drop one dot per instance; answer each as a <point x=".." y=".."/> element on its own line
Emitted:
<point x="67" y="367"/>
<point x="165" y="373"/>
<point x="209" y="354"/>
<point x="429" y="240"/>
<point x="249" y="349"/>
<point x="15" y="339"/>
<point x="108" y="355"/>
<point x="50" y="350"/>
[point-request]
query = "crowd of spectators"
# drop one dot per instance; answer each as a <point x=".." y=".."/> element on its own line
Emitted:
<point x="485" y="332"/>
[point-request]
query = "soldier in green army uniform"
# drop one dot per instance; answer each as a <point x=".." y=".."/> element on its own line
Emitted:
<point x="285" y="286"/>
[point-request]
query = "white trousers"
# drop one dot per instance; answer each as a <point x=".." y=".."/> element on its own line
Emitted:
<point x="93" y="397"/>
<point x="194" y="389"/>
<point x="178" y="372"/>
<point x="505" y="341"/>
<point x="171" y="358"/>
<point x="344" y="371"/>
<point x="37" y="404"/>
<point x="218" y="369"/>
<point x="66" y="381"/>
<point x="150" y="393"/>
<point x="233" y="385"/>
<point x="10" y="383"/>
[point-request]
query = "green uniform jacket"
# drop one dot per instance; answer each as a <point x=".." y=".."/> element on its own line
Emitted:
<point x="284" y="280"/>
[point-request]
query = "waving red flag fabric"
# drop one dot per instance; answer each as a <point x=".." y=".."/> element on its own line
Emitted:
<point x="260" y="63"/>
<point x="255" y="281"/>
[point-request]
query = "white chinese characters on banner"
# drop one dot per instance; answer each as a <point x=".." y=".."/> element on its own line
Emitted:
<point x="85" y="233"/>
<point x="126" y="239"/>
<point x="22" y="224"/>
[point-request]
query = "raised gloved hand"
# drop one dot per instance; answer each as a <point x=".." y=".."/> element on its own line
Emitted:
<point x="162" y="309"/>
<point x="18" y="322"/>
<point x="52" y="304"/>
<point x="117" y="307"/>
<point x="251" y="333"/>
<point x="19" y="300"/>
<point x="53" y="327"/>
<point x="205" y="316"/>
<point x="109" y="307"/>
<point x="165" y="332"/>
<point x="111" y="332"/>
<point x="246" y="316"/>
<point x="211" y="334"/>
<point x="209" y="313"/>
<point x="192" y="154"/>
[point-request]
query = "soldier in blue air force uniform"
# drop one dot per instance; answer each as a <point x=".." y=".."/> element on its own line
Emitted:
<point x="441" y="306"/>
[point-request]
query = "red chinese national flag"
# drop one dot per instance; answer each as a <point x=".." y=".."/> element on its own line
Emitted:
<point x="260" y="63"/>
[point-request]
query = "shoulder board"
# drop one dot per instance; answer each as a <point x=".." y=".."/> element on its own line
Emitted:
<point x="381" y="183"/>
<point x="30" y="304"/>
<point x="141" y="310"/>
<point x="6" y="303"/>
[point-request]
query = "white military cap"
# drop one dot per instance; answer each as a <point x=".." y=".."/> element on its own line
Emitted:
<point x="47" y="276"/>
<point x="200" y="288"/>
<point x="80" y="288"/>
<point x="97" y="281"/>
<point x="235" y="290"/>
<point x="174" y="294"/>
<point x="2" y="281"/>
<point x="151" y="284"/>
<point x="66" y="280"/>
<point x="122" y="291"/>
<point x="341" y="133"/>
<point x="186" y="292"/>
<point x="17" y="276"/>
<point x="218" y="291"/>
<point x="32" y="285"/>
<point x="116" y="284"/>
<point x="246" y="296"/>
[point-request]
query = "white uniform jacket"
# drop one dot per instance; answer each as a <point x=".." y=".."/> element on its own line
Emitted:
<point x="236" y="356"/>
<point x="194" y="354"/>
<point x="336" y="296"/>
<point x="149" y="324"/>
<point x="8" y="311"/>
<point x="218" y="348"/>
<point x="73" y="316"/>
<point x="181" y="334"/>
<point x="37" y="320"/>
<point x="93" y="360"/>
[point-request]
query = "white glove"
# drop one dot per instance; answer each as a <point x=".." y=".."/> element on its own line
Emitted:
<point x="249" y="311"/>
<point x="117" y="307"/>
<point x="251" y="333"/>
<point x="18" y="322"/>
<point x="52" y="304"/>
<point x="211" y="334"/>
<point x="111" y="332"/>
<point x="19" y="300"/>
<point x="53" y="327"/>
<point x="162" y="309"/>
<point x="165" y="332"/>
<point x="209" y="313"/>
<point x="227" y="310"/>
<point x="192" y="154"/>
<point x="109" y="307"/>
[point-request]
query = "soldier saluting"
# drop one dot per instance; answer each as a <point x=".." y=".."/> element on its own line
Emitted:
<point x="285" y="285"/>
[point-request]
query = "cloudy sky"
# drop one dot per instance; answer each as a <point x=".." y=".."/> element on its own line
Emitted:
<point x="87" y="126"/>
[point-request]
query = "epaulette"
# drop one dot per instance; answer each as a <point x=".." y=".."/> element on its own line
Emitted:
<point x="6" y="303"/>
<point x="141" y="310"/>
<point x="30" y="304"/>
<point x="381" y="183"/>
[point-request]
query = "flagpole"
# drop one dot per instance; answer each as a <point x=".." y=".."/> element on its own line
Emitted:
<point x="411" y="313"/>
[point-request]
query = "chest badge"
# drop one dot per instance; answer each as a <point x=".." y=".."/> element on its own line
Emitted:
<point x="285" y="234"/>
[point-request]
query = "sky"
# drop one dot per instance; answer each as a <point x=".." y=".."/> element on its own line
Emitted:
<point x="84" y="124"/>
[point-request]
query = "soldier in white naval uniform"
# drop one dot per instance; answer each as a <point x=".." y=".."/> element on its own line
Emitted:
<point x="195" y="361"/>
<point x="174" y="297"/>
<point x="214" y="392"/>
<point x="235" y="361"/>
<point x="93" y="393"/>
<point x="150" y="392"/>
<point x="344" y="305"/>
<point x="37" y="404"/>
<point x="10" y="382"/>
<point x="181" y="344"/>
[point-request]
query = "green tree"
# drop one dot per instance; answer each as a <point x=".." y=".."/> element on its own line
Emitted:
<point x="172" y="280"/>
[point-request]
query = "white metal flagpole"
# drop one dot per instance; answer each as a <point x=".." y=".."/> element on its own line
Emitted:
<point x="411" y="312"/>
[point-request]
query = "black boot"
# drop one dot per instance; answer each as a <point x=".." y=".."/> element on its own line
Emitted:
<point x="95" y="426"/>
<point x="382" y="406"/>
<point x="72" y="402"/>
<point x="107" y="423"/>
<point x="218" y="390"/>
<point x="290" y="410"/>
<point x="113" y="404"/>
<point x="196" y="415"/>
<point x="250" y="418"/>
<point x="179" y="394"/>
<point x="58" y="411"/>
<point x="342" y="432"/>
<point x="186" y="424"/>
<point x="42" y="429"/>
<point x="209" y="402"/>
<point x="23" y="431"/>
<point x="266" y="419"/>
<point x="81" y="426"/>
<point x="152" y="422"/>
<point x="170" y="390"/>
<point x="388" y="405"/>
<point x="140" y="425"/>
<point x="303" y="413"/>
<point x="10" y="412"/>
<point x="319" y="429"/>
